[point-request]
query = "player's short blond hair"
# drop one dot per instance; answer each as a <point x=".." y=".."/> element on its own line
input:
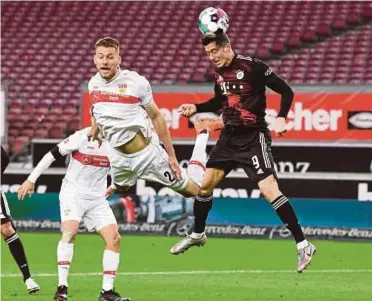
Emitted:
<point x="108" y="42"/>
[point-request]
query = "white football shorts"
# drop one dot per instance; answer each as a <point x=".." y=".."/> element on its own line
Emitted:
<point x="150" y="164"/>
<point x="96" y="214"/>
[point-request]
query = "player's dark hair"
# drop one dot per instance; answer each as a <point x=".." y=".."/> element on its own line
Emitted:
<point x="108" y="42"/>
<point x="220" y="39"/>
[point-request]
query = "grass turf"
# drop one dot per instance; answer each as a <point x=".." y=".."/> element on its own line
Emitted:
<point x="225" y="269"/>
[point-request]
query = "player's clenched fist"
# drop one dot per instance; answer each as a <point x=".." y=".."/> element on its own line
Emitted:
<point x="26" y="188"/>
<point x="187" y="109"/>
<point x="280" y="126"/>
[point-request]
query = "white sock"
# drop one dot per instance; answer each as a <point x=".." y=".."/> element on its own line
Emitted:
<point x="65" y="252"/>
<point x="110" y="266"/>
<point x="302" y="244"/>
<point x="196" y="235"/>
<point x="196" y="167"/>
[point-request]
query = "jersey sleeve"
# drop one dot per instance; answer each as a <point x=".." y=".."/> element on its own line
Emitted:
<point x="90" y="85"/>
<point x="277" y="84"/>
<point x="212" y="105"/>
<point x="146" y="97"/>
<point x="72" y="142"/>
<point x="262" y="69"/>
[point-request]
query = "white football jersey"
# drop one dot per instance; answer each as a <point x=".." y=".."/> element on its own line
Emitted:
<point x="88" y="167"/>
<point x="117" y="106"/>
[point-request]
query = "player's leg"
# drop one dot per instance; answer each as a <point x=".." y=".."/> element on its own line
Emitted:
<point x="204" y="125"/>
<point x="219" y="164"/>
<point x="15" y="245"/>
<point x="202" y="206"/>
<point x="65" y="253"/>
<point x="270" y="190"/>
<point x="101" y="218"/>
<point x="260" y="168"/>
<point x="155" y="159"/>
<point x="71" y="215"/>
<point x="189" y="184"/>
<point x="111" y="259"/>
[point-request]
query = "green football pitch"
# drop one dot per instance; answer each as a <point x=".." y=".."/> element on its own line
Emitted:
<point x="223" y="270"/>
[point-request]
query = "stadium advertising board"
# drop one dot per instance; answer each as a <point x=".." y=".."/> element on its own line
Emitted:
<point x="130" y="208"/>
<point x="233" y="187"/>
<point x="234" y="231"/>
<point x="313" y="116"/>
<point x="326" y="219"/>
<point x="289" y="158"/>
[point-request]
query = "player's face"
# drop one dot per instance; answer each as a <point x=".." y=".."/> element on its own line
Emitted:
<point x="107" y="61"/>
<point x="219" y="55"/>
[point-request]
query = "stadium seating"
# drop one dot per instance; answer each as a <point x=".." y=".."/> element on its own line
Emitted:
<point x="47" y="48"/>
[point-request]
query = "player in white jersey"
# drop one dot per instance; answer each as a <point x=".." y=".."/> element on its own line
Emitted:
<point x="119" y="98"/>
<point x="82" y="198"/>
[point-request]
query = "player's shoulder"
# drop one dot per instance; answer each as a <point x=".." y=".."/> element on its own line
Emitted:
<point x="134" y="75"/>
<point x="248" y="61"/>
<point x="83" y="133"/>
<point x="96" y="78"/>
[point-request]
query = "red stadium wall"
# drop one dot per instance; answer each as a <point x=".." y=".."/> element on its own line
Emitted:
<point x="313" y="116"/>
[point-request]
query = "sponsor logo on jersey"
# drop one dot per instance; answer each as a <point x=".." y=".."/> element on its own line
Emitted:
<point x="107" y="96"/>
<point x="86" y="159"/>
<point x="92" y="160"/>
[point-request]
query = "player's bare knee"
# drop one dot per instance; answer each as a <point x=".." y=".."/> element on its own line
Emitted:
<point x="117" y="240"/>
<point x="114" y="242"/>
<point x="205" y="191"/>
<point x="269" y="188"/>
<point x="191" y="189"/>
<point x="7" y="230"/>
<point x="68" y="236"/>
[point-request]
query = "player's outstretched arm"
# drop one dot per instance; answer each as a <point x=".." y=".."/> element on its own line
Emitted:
<point x="28" y="186"/>
<point x="162" y="130"/>
<point x="63" y="148"/>
<point x="213" y="105"/>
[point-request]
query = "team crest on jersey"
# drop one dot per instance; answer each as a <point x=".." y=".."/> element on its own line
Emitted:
<point x="122" y="88"/>
<point x="240" y="74"/>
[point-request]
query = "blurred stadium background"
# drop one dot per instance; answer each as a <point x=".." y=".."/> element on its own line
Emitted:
<point x="322" y="48"/>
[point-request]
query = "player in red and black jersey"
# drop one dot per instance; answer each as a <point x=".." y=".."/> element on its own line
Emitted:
<point x="245" y="141"/>
<point x="11" y="237"/>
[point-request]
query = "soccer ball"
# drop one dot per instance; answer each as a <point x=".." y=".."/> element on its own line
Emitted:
<point x="213" y="21"/>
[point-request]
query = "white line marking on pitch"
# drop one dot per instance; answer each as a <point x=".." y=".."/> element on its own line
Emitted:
<point x="198" y="273"/>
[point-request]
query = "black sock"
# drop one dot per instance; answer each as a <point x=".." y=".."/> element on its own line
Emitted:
<point x="202" y="205"/>
<point x="284" y="209"/>
<point x="18" y="252"/>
